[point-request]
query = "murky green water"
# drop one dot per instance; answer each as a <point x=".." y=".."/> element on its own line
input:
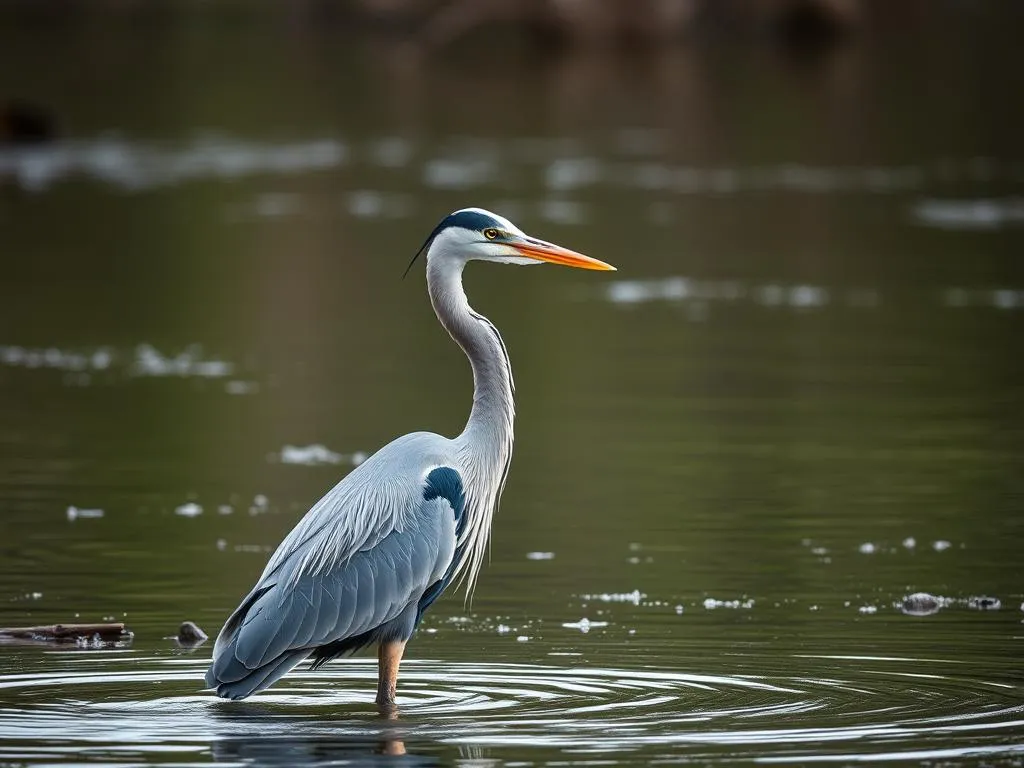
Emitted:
<point x="800" y="400"/>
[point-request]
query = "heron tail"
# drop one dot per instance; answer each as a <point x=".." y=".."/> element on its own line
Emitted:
<point x="235" y="681"/>
<point x="249" y="655"/>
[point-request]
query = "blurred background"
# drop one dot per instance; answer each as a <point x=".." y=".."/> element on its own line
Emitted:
<point x="803" y="388"/>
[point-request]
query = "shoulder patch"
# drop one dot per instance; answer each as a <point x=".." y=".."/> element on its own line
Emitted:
<point x="444" y="482"/>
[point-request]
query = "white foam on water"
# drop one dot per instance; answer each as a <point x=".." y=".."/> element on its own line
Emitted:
<point x="712" y="603"/>
<point x="633" y="597"/>
<point x="76" y="513"/>
<point x="139" y="165"/>
<point x="149" y="361"/>
<point x="316" y="455"/>
<point x="699" y="293"/>
<point x="188" y="509"/>
<point x="976" y="214"/>
<point x="584" y="625"/>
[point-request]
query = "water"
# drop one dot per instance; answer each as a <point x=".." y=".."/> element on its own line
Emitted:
<point x="798" y="402"/>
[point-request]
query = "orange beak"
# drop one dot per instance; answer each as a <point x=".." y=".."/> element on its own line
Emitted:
<point x="556" y="254"/>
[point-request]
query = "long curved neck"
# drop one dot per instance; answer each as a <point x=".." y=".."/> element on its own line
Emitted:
<point x="485" y="445"/>
<point x="490" y="421"/>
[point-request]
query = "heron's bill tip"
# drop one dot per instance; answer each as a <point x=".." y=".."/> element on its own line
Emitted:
<point x="556" y="254"/>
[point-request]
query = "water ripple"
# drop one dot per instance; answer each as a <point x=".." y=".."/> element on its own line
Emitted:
<point x="886" y="709"/>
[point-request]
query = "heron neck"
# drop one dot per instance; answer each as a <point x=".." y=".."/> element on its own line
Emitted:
<point x="489" y="427"/>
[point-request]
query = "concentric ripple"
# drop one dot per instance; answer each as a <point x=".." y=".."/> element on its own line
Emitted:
<point x="123" y="707"/>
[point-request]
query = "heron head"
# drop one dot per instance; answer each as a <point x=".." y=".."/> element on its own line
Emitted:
<point x="473" y="233"/>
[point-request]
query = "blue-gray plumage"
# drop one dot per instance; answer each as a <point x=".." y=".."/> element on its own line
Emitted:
<point x="379" y="548"/>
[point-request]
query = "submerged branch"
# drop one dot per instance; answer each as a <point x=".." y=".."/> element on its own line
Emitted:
<point x="65" y="632"/>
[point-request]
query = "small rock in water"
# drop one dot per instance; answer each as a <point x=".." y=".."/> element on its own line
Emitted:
<point x="189" y="633"/>
<point x="984" y="603"/>
<point x="922" y="604"/>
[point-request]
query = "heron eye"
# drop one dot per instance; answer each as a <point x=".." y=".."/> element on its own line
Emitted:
<point x="490" y="233"/>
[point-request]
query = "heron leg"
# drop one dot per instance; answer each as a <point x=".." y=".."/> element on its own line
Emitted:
<point x="389" y="656"/>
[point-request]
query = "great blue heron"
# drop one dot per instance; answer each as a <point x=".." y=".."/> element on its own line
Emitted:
<point x="371" y="556"/>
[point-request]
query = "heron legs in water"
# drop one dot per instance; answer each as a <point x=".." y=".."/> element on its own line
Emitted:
<point x="389" y="656"/>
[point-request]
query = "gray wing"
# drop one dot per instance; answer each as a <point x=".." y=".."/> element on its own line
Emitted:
<point x="303" y="606"/>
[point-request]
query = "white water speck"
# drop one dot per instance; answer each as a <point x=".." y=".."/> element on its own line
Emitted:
<point x="74" y="513"/>
<point x="805" y="296"/>
<point x="504" y="629"/>
<point x="136" y="165"/>
<point x="679" y="609"/>
<point x="149" y="361"/>
<point x="309" y="455"/>
<point x="189" y="509"/>
<point x="563" y="211"/>
<point x="867" y="548"/>
<point x="458" y="173"/>
<point x="584" y="625"/>
<point x="392" y="152"/>
<point x="711" y="603"/>
<point x="252" y="548"/>
<point x="238" y="387"/>
<point x="868" y="609"/>
<point x="225" y="509"/>
<point x="540" y="555"/>
<point x="633" y="597"/>
<point x="980" y="214"/>
<point x="910" y="542"/>
<point x="566" y="173"/>
<point x="941" y="545"/>
<point x="523" y="639"/>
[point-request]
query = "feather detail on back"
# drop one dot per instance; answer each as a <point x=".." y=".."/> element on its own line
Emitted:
<point x="367" y="505"/>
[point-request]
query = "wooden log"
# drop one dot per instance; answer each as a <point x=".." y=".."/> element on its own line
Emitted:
<point x="59" y="632"/>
